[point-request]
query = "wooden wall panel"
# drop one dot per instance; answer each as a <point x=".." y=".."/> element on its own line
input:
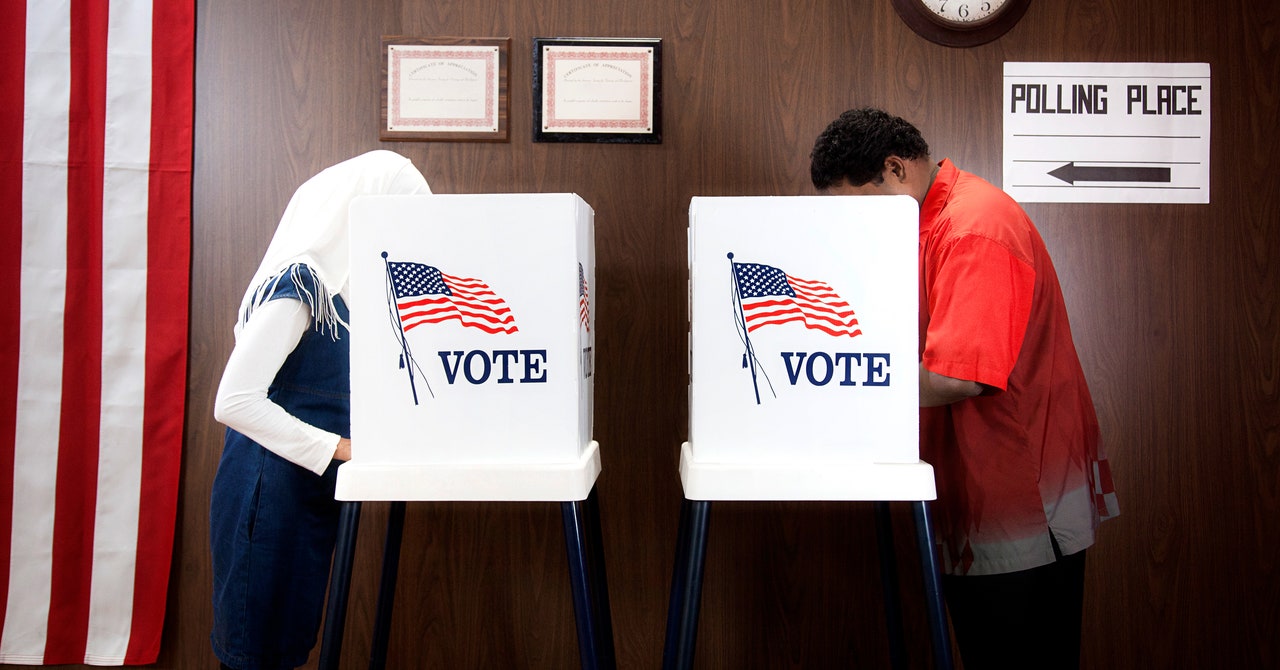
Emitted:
<point x="1174" y="308"/>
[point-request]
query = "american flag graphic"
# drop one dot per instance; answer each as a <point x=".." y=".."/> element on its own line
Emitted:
<point x="584" y="299"/>
<point x="424" y="294"/>
<point x="770" y="296"/>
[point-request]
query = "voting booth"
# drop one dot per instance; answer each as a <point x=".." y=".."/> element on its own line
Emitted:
<point x="471" y="334"/>
<point x="804" y="358"/>
<point x="803" y="348"/>
<point x="472" y="329"/>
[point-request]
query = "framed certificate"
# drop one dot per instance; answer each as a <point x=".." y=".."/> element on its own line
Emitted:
<point x="597" y="90"/>
<point x="444" y="89"/>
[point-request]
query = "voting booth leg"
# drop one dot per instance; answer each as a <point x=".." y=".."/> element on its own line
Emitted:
<point x="889" y="582"/>
<point x="387" y="586"/>
<point x="586" y="565"/>
<point x="686" y="585"/>
<point x="598" y="578"/>
<point x="335" y="619"/>
<point x="933" y="586"/>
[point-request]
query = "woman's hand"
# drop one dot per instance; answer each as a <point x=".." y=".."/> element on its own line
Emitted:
<point x="343" y="452"/>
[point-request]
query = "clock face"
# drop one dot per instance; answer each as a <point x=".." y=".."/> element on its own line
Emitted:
<point x="964" y="13"/>
<point x="960" y="23"/>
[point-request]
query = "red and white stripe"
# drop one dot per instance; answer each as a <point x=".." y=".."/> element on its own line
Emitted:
<point x="95" y="188"/>
<point x="470" y="302"/>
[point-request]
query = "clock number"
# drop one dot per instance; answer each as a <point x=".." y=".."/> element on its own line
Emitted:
<point x="964" y="11"/>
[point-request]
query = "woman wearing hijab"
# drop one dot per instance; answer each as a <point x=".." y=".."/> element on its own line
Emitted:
<point x="284" y="397"/>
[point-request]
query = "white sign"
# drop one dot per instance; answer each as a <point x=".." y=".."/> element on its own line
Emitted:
<point x="1107" y="132"/>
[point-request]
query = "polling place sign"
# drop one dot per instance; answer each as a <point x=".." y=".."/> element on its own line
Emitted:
<point x="1107" y="132"/>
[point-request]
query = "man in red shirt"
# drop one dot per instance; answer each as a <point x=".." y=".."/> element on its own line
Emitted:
<point x="1006" y="417"/>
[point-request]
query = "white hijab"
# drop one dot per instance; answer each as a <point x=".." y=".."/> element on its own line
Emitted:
<point x="313" y="230"/>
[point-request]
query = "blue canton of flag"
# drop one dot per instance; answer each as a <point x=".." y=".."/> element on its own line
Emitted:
<point x="770" y="296"/>
<point x="411" y="279"/>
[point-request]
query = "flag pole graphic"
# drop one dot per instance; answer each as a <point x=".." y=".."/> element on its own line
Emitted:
<point x="749" y="356"/>
<point x="406" y="357"/>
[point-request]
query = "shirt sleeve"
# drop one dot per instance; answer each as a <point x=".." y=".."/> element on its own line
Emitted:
<point x="979" y="303"/>
<point x="264" y="343"/>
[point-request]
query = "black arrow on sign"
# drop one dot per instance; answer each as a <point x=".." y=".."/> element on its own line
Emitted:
<point x="1072" y="173"/>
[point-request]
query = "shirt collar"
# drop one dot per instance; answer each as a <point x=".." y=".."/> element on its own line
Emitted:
<point x="939" y="193"/>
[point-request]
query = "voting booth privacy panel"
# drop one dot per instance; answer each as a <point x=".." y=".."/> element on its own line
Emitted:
<point x="803" y="349"/>
<point x="471" y="342"/>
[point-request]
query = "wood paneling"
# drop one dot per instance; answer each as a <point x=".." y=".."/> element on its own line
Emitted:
<point x="1175" y="311"/>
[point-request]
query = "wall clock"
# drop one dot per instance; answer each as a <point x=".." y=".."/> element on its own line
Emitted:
<point x="960" y="23"/>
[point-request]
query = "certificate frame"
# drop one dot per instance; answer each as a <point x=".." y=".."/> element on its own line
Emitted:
<point x="451" y="89"/>
<point x="589" y="89"/>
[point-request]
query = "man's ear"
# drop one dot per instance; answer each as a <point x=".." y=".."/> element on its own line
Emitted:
<point x="896" y="168"/>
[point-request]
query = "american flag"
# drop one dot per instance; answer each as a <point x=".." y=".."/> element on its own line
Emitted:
<point x="95" y="202"/>
<point x="770" y="296"/>
<point x="424" y="294"/>
<point x="584" y="299"/>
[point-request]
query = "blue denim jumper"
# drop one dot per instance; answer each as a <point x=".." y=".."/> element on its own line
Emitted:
<point x="273" y="524"/>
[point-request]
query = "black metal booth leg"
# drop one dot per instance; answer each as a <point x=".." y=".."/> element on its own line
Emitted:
<point x="387" y="585"/>
<point x="599" y="581"/>
<point x="590" y="604"/>
<point x="933" y="587"/>
<point x="889" y="582"/>
<point x="686" y="585"/>
<point x="335" y="619"/>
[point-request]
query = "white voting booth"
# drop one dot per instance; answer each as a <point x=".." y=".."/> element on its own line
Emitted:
<point x="804" y="383"/>
<point x="471" y="345"/>
<point x="472" y="329"/>
<point x="803" y="350"/>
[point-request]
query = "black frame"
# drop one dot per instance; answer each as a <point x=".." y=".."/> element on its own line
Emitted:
<point x="654" y="136"/>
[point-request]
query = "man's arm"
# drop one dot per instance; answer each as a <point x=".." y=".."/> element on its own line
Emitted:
<point x="936" y="389"/>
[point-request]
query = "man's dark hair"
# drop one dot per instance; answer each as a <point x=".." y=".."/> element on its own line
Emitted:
<point x="854" y="147"/>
